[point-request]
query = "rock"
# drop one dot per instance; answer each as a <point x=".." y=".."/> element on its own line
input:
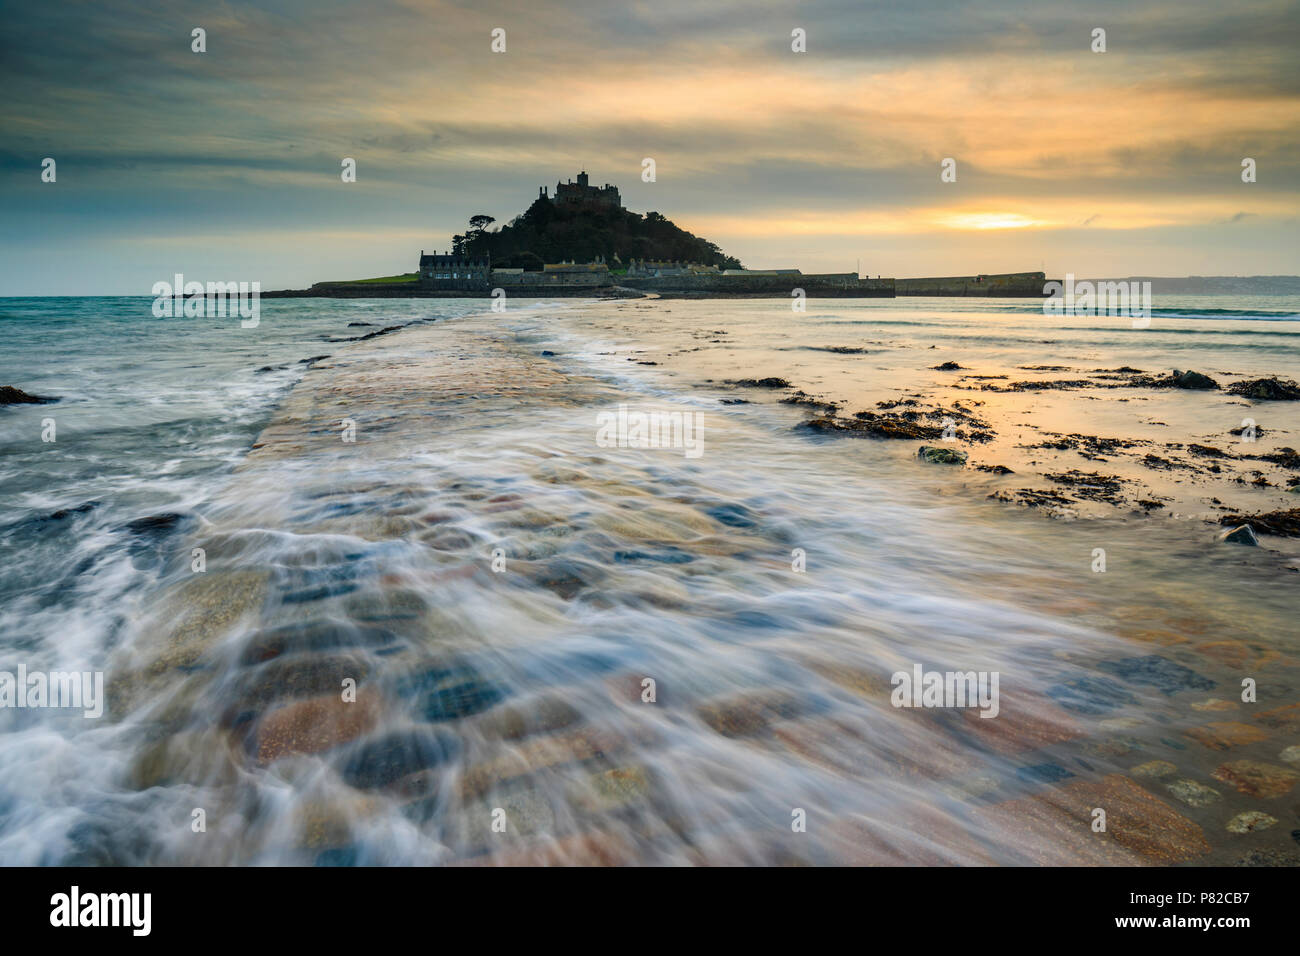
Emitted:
<point x="1285" y="524"/>
<point x="456" y="700"/>
<point x="196" y="613"/>
<point x="1154" y="769"/>
<point x="16" y="396"/>
<point x="185" y="758"/>
<point x="381" y="762"/>
<point x="1025" y="722"/>
<point x="1215" y="704"/>
<point x="155" y="524"/>
<point x="537" y="716"/>
<point x="452" y="689"/>
<point x="1291" y="754"/>
<point x="1251" y="821"/>
<point x="946" y="367"/>
<point x="747" y="715"/>
<point x="1053" y="828"/>
<point x="1257" y="779"/>
<point x="1043" y="773"/>
<point x="565" y="577"/>
<point x="770" y="382"/>
<point x="1238" y="655"/>
<point x="397" y="604"/>
<point x="1089" y="695"/>
<point x="1267" y="390"/>
<point x="292" y="678"/>
<point x="1156" y="671"/>
<point x="1190" y="379"/>
<point x="1242" y="534"/>
<point x="1113" y="746"/>
<point x="531" y="755"/>
<point x="612" y="790"/>
<point x="312" y="636"/>
<point x="312" y="726"/>
<point x="1279" y="718"/>
<point x="877" y="426"/>
<point x="941" y="456"/>
<point x="733" y="516"/>
<point x="325" y="822"/>
<point x="528" y="812"/>
<point x="1192" y="793"/>
<point x="1226" y="734"/>
<point x="1269" y="858"/>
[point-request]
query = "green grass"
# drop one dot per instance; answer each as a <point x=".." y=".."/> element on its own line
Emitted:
<point x="406" y="277"/>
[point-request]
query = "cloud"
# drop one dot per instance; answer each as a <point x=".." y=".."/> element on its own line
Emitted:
<point x="747" y="135"/>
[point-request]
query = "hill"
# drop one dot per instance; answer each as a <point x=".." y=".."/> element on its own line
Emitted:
<point x="551" y="232"/>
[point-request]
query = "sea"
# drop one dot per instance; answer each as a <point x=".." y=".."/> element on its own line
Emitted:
<point x="770" y="589"/>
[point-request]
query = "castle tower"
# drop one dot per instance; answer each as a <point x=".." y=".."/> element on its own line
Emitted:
<point x="582" y="179"/>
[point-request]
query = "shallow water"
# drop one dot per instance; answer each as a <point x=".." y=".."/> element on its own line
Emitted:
<point x="520" y="687"/>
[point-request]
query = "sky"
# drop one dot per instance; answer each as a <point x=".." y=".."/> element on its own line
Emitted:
<point x="226" y="165"/>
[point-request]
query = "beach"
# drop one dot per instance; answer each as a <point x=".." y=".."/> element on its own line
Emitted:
<point x="441" y="620"/>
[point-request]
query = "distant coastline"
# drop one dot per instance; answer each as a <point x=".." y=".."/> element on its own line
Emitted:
<point x="694" y="286"/>
<point x="958" y="286"/>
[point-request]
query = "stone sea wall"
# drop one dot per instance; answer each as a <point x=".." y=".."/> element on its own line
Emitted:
<point x="1009" y="284"/>
<point x="845" y="284"/>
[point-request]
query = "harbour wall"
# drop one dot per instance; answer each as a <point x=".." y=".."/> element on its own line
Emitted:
<point x="1008" y="284"/>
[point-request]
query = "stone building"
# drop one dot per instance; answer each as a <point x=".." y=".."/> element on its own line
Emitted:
<point x="447" y="271"/>
<point x="650" y="268"/>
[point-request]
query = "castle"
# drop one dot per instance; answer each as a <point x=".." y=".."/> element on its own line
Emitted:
<point x="582" y="191"/>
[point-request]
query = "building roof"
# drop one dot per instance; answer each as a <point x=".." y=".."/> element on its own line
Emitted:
<point x="575" y="267"/>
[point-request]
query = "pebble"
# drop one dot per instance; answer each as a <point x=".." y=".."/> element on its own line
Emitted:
<point x="1053" y="828"/>
<point x="1250" y="821"/>
<point x="1153" y="670"/>
<point x="378" y="763"/>
<point x="1154" y="769"/>
<point x="1269" y="858"/>
<point x="1215" y="705"/>
<point x="748" y="715"/>
<point x="1192" y="793"/>
<point x="1226" y="735"/>
<point x="1281" y="718"/>
<point x="1257" y="779"/>
<point x="1043" y="773"/>
<point x="1090" y="695"/>
<point x="1113" y="747"/>
<point x="612" y="790"/>
<point x="1242" y="534"/>
<point x="312" y="726"/>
